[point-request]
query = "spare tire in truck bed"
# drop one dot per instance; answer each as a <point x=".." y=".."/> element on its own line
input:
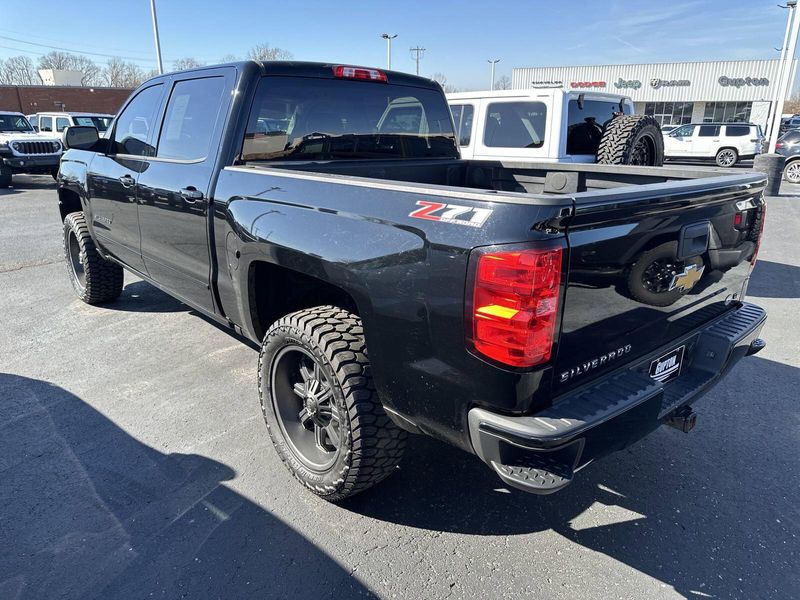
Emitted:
<point x="632" y="140"/>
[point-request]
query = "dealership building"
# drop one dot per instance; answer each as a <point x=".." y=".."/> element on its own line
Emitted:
<point x="674" y="93"/>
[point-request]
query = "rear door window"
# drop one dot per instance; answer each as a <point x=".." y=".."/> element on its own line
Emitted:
<point x="586" y="122"/>
<point x="462" y="117"/>
<point x="708" y="131"/>
<point x="45" y="123"/>
<point x="515" y="125"/>
<point x="61" y="123"/>
<point x="190" y="119"/>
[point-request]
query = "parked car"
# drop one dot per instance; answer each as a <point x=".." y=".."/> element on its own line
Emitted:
<point x="59" y="121"/>
<point x="23" y="150"/>
<point x="724" y="143"/>
<point x="788" y="123"/>
<point x="554" y="125"/>
<point x="789" y="146"/>
<point x="539" y="315"/>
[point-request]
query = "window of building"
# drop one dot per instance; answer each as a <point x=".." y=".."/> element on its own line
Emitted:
<point x="670" y="113"/>
<point x="515" y="125"/>
<point x="190" y="118"/>
<point x="708" y="131"/>
<point x="585" y="125"/>
<point x="727" y="112"/>
<point x="462" y="117"/>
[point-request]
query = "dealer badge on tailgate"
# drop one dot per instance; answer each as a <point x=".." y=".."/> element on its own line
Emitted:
<point x="668" y="367"/>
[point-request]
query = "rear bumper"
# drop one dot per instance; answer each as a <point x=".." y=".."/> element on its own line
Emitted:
<point x="540" y="453"/>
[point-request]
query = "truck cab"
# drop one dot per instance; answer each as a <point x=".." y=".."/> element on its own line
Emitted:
<point x="545" y="125"/>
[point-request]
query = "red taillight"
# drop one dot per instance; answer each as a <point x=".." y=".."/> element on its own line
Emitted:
<point x="762" y="220"/>
<point x="737" y="220"/>
<point x="777" y="144"/>
<point x="346" y="72"/>
<point x="515" y="305"/>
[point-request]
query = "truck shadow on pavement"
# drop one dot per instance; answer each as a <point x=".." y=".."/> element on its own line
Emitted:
<point x="90" y="512"/>
<point x="774" y="280"/>
<point x="709" y="513"/>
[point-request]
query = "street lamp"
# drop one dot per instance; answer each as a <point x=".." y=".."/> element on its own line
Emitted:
<point x="493" y="63"/>
<point x="155" y="35"/>
<point x="785" y="70"/>
<point x="388" y="39"/>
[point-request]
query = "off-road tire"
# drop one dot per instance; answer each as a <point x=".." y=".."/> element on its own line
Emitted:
<point x="371" y="445"/>
<point x="103" y="279"/>
<point x="620" y="144"/>
<point x="636" y="287"/>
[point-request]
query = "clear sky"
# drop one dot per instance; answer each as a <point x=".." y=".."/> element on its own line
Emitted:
<point x="459" y="36"/>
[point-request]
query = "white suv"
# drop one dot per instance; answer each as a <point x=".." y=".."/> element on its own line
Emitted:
<point x="59" y="121"/>
<point x="725" y="143"/>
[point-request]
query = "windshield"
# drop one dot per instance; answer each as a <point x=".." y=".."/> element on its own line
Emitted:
<point x="14" y="123"/>
<point x="295" y="118"/>
<point x="96" y="121"/>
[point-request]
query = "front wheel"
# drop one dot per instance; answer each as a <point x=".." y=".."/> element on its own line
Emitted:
<point x="320" y="405"/>
<point x="727" y="157"/>
<point x="791" y="172"/>
<point x="95" y="279"/>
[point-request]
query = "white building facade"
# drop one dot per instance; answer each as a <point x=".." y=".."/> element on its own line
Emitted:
<point x="675" y="93"/>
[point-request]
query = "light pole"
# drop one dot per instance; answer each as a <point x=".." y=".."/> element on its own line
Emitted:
<point x="785" y="72"/>
<point x="493" y="63"/>
<point x="155" y="35"/>
<point x="388" y="39"/>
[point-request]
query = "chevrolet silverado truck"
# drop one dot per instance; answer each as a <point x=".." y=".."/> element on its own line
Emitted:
<point x="23" y="150"/>
<point x="537" y="315"/>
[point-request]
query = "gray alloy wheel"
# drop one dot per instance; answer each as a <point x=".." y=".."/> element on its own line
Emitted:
<point x="727" y="157"/>
<point x="792" y="172"/>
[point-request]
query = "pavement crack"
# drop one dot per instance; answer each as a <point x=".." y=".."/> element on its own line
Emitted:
<point x="27" y="265"/>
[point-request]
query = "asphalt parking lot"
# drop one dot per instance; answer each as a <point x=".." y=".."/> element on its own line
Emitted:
<point x="134" y="463"/>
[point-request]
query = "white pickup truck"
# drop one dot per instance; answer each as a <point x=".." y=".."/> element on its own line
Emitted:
<point x="23" y="150"/>
<point x="554" y="125"/>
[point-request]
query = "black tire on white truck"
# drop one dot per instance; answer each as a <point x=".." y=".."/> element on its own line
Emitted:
<point x="632" y="140"/>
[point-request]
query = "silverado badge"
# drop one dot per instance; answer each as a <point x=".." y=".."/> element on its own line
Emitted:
<point x="686" y="280"/>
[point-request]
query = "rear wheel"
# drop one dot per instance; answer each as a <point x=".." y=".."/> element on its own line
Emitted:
<point x="632" y="140"/>
<point x="95" y="279"/>
<point x="320" y="405"/>
<point x="727" y="157"/>
<point x="791" y="172"/>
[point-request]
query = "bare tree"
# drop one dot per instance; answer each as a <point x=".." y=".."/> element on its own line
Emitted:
<point x="120" y="73"/>
<point x="64" y="61"/>
<point x="503" y="83"/>
<point x="92" y="73"/>
<point x="229" y="58"/>
<point x="792" y="105"/>
<point x="441" y="79"/>
<point x="19" y="70"/>
<point x="57" y="60"/>
<point x="186" y="63"/>
<point x="266" y="52"/>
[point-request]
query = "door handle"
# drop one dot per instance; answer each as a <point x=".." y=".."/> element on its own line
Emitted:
<point x="127" y="181"/>
<point x="191" y="194"/>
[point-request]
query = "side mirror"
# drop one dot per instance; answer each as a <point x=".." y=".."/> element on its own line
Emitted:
<point x="81" y="137"/>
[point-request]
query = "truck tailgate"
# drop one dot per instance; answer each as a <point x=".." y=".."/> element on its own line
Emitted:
<point x="648" y="264"/>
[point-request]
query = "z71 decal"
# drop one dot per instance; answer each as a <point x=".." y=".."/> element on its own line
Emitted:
<point x="451" y="213"/>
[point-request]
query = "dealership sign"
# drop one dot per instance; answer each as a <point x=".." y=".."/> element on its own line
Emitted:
<point x="659" y="83"/>
<point x="547" y="84"/>
<point x="742" y="81"/>
<point x="633" y="84"/>
<point x="587" y="84"/>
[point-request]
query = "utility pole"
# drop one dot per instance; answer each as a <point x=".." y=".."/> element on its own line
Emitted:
<point x="388" y="39"/>
<point x="493" y="63"/>
<point x="155" y="35"/>
<point x="773" y="105"/>
<point x="418" y="54"/>
<point x="785" y="72"/>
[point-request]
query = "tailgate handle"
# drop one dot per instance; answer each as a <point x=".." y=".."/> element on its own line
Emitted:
<point x="694" y="240"/>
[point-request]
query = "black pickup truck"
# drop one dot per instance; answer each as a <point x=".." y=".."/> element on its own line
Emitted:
<point x="537" y="315"/>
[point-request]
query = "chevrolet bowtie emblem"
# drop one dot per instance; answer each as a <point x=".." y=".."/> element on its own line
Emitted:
<point x="686" y="280"/>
